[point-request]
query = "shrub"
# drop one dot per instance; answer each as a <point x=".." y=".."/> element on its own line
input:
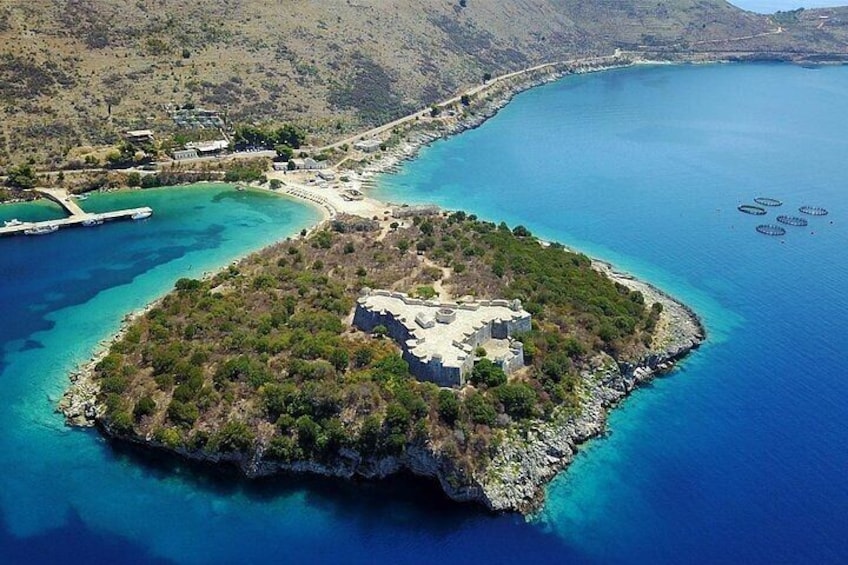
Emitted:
<point x="168" y="436"/>
<point x="121" y="422"/>
<point x="487" y="373"/>
<point x="145" y="406"/>
<point x="282" y="448"/>
<point x="518" y="399"/>
<point x="183" y="413"/>
<point x="307" y="433"/>
<point x="234" y="436"/>
<point x="448" y="406"/>
<point x="480" y="409"/>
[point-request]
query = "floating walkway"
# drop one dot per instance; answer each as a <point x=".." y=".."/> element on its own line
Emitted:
<point x="77" y="217"/>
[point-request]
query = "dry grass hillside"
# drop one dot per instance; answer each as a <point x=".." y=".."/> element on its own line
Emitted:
<point x="77" y="72"/>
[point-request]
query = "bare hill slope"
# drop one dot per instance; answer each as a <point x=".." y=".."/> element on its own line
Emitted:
<point x="79" y="71"/>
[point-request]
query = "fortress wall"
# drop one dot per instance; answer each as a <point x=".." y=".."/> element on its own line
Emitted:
<point x="429" y="370"/>
<point x="480" y="336"/>
<point x="514" y="361"/>
<point x="518" y="325"/>
<point x="366" y="319"/>
<point x="433" y="371"/>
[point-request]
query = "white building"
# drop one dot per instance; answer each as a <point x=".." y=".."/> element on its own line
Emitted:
<point x="182" y="154"/>
<point x="368" y="145"/>
<point x="208" y="147"/>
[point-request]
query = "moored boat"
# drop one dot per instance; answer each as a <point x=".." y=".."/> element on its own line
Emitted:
<point x="142" y="215"/>
<point x="42" y="230"/>
<point x="12" y="223"/>
<point x="92" y="221"/>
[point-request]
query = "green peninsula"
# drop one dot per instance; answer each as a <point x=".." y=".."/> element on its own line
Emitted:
<point x="261" y="366"/>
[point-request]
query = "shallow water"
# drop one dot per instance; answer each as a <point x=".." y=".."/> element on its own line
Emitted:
<point x="740" y="454"/>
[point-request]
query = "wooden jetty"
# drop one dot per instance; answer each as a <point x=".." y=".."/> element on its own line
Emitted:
<point x="77" y="216"/>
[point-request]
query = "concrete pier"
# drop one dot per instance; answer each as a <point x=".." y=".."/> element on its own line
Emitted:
<point x="77" y="216"/>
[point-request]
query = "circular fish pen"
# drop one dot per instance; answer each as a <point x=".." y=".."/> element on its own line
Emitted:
<point x="751" y="209"/>
<point x="763" y="201"/>
<point x="770" y="229"/>
<point x="792" y="221"/>
<point x="813" y="210"/>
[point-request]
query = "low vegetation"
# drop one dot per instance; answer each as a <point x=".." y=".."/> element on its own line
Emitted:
<point x="261" y="357"/>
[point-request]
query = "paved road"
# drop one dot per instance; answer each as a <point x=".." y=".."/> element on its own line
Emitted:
<point x="470" y="92"/>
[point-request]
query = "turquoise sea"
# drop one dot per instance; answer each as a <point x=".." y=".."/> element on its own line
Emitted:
<point x="740" y="455"/>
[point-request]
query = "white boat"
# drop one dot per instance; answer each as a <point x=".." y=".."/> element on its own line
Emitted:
<point x="142" y="215"/>
<point x="12" y="223"/>
<point x="80" y="196"/>
<point x="92" y="221"/>
<point x="42" y="230"/>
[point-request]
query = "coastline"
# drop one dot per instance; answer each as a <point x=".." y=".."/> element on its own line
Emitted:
<point x="524" y="463"/>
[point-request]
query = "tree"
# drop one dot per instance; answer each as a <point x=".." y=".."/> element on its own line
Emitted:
<point x="480" y="409"/>
<point x="134" y="179"/>
<point x="435" y="111"/>
<point x="21" y="177"/>
<point x="275" y="184"/>
<point x="183" y="413"/>
<point x="518" y="399"/>
<point x="307" y="433"/>
<point x="487" y="77"/>
<point x="487" y="373"/>
<point x="465" y="100"/>
<point x="235" y="436"/>
<point x="340" y="359"/>
<point x="448" y="406"/>
<point x="362" y="357"/>
<point x="144" y="407"/>
<point x="284" y="152"/>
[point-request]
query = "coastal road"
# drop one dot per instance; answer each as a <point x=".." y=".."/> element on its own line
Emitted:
<point x="469" y="92"/>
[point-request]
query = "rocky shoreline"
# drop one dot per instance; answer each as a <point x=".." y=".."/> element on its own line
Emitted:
<point x="524" y="462"/>
<point x="487" y="108"/>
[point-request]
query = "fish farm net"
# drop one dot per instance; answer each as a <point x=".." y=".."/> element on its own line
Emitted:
<point x="750" y="209"/>
<point x="770" y="229"/>
<point x="813" y="211"/>
<point x="763" y="201"/>
<point x="792" y="221"/>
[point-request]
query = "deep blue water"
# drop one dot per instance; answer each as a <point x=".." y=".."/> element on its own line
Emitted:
<point x="739" y="455"/>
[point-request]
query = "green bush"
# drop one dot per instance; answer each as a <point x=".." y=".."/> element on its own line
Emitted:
<point x="283" y="448"/>
<point x="448" y="406"/>
<point x="183" y="413"/>
<point x="307" y="433"/>
<point x="480" y="409"/>
<point x="518" y="399"/>
<point x="234" y="436"/>
<point x="145" y="406"/>
<point x="487" y="373"/>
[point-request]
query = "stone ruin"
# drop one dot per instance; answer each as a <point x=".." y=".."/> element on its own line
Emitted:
<point x="438" y="339"/>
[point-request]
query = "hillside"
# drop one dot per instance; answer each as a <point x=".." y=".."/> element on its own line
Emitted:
<point x="77" y="72"/>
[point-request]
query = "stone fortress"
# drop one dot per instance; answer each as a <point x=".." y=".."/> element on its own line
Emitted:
<point x="438" y="339"/>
